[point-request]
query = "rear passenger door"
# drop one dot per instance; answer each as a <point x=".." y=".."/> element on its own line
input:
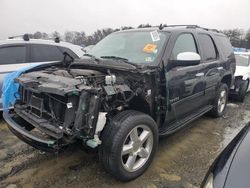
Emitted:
<point x="210" y="68"/>
<point x="43" y="53"/>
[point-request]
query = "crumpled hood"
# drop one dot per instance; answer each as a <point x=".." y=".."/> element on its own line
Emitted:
<point x="40" y="81"/>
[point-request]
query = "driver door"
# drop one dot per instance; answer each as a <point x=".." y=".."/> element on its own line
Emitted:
<point x="184" y="83"/>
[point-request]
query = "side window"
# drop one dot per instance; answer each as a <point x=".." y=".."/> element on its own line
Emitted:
<point x="12" y="55"/>
<point x="42" y="52"/>
<point x="226" y="46"/>
<point x="207" y="47"/>
<point x="184" y="43"/>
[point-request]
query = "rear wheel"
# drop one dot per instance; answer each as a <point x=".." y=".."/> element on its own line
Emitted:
<point x="220" y="101"/>
<point x="129" y="143"/>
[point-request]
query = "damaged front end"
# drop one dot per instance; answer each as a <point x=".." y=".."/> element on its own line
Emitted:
<point x="58" y="105"/>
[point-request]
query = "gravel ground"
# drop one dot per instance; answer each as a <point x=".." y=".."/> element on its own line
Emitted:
<point x="181" y="161"/>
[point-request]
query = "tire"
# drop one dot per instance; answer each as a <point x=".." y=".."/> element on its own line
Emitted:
<point x="242" y="91"/>
<point x="219" y="110"/>
<point x="120" y="134"/>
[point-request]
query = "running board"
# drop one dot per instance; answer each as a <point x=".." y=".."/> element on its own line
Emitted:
<point x="170" y="129"/>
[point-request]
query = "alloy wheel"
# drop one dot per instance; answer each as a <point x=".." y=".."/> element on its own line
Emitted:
<point x="137" y="148"/>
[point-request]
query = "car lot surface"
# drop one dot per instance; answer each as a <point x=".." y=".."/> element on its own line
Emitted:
<point x="181" y="161"/>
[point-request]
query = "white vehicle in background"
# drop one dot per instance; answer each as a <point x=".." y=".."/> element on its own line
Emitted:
<point x="19" y="52"/>
<point x="88" y="48"/>
<point x="242" y="75"/>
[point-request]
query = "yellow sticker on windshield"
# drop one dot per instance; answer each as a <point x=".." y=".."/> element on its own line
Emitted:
<point x="150" y="48"/>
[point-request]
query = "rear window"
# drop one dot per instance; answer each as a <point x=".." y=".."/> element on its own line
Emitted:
<point x="12" y="55"/>
<point x="42" y="53"/>
<point x="226" y="46"/>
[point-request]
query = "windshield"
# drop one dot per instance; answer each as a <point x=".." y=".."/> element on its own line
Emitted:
<point x="135" y="46"/>
<point x="242" y="60"/>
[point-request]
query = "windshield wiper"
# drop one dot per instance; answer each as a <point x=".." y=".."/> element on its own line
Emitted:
<point x="125" y="60"/>
<point x="92" y="57"/>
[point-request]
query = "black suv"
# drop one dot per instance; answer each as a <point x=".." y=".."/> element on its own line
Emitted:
<point x="132" y="87"/>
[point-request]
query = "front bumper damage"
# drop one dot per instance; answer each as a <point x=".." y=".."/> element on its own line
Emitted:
<point x="39" y="141"/>
<point x="51" y="114"/>
<point x="23" y="132"/>
<point x="57" y="106"/>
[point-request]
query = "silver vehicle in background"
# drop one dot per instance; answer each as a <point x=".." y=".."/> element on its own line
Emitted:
<point x="17" y="53"/>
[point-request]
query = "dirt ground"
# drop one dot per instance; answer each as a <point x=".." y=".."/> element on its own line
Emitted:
<point x="181" y="161"/>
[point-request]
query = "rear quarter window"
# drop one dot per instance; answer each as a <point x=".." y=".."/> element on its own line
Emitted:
<point x="225" y="45"/>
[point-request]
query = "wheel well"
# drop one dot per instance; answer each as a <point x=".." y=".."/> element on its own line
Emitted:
<point x="227" y="80"/>
<point x="140" y="104"/>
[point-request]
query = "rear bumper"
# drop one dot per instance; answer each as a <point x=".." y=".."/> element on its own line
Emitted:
<point x="29" y="137"/>
<point x="236" y="88"/>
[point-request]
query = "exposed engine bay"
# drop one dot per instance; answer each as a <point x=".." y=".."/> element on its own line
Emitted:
<point x="68" y="104"/>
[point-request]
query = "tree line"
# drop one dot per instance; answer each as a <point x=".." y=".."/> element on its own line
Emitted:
<point x="238" y="37"/>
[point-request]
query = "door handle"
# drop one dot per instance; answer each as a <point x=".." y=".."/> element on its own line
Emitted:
<point x="219" y="68"/>
<point x="200" y="74"/>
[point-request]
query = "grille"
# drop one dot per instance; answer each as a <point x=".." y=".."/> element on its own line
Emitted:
<point x="46" y="106"/>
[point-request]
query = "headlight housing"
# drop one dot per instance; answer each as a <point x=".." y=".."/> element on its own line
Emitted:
<point x="210" y="182"/>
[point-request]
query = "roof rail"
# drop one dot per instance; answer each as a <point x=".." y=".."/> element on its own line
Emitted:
<point x="207" y="29"/>
<point x="26" y="37"/>
<point x="57" y="39"/>
<point x="182" y="25"/>
<point x="188" y="26"/>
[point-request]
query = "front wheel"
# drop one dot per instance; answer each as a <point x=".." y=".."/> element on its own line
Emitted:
<point x="129" y="143"/>
<point x="220" y="101"/>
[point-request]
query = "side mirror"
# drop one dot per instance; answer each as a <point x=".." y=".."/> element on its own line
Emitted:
<point x="67" y="58"/>
<point x="185" y="59"/>
<point x="188" y="56"/>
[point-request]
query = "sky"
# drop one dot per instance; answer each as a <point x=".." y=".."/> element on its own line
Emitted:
<point x="28" y="16"/>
